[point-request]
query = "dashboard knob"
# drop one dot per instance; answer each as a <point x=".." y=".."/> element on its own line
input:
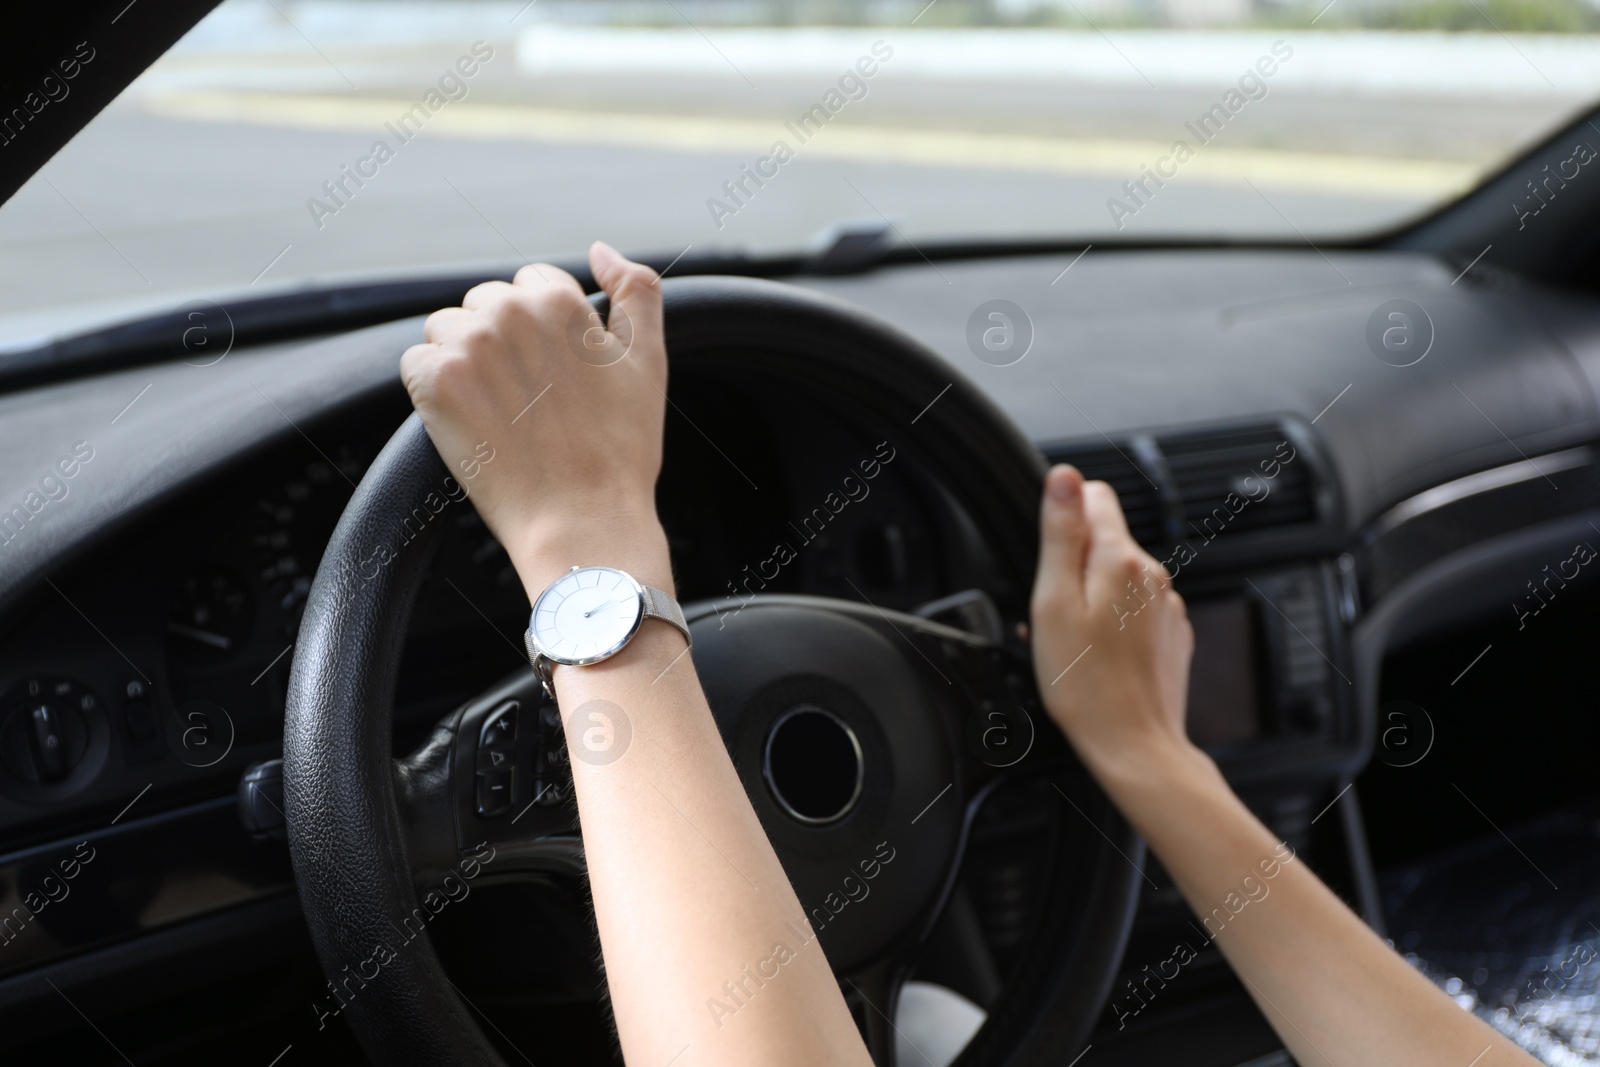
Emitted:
<point x="49" y="743"/>
<point x="42" y="740"/>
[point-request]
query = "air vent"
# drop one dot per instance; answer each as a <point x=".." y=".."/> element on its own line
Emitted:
<point x="1137" y="489"/>
<point x="1207" y="467"/>
<point x="1178" y="486"/>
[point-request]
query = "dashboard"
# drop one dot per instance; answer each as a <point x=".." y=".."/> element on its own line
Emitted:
<point x="1316" y="504"/>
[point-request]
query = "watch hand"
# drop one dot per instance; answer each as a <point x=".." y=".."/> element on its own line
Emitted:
<point x="602" y="607"/>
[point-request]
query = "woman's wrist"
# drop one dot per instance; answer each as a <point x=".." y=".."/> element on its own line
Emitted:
<point x="1150" y="768"/>
<point x="630" y="539"/>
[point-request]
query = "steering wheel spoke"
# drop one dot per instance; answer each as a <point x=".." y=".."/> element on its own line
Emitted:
<point x="1004" y="730"/>
<point x="492" y="780"/>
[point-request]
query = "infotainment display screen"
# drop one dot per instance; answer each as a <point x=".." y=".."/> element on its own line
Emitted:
<point x="1224" y="698"/>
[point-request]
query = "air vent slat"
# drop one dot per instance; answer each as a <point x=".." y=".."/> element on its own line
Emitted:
<point x="1205" y="467"/>
<point x="1222" y="480"/>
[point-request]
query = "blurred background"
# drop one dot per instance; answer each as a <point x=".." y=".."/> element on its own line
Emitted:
<point x="227" y="167"/>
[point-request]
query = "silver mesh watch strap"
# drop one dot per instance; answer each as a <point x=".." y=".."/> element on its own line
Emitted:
<point x="659" y="605"/>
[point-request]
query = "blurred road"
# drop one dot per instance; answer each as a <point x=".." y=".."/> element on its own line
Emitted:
<point x="205" y="177"/>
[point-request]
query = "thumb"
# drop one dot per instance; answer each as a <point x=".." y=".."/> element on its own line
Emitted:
<point x="635" y="292"/>
<point x="1064" y="534"/>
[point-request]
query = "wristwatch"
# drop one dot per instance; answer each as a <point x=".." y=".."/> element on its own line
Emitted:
<point x="590" y="614"/>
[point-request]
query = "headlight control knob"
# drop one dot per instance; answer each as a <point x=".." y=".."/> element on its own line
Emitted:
<point x="44" y="735"/>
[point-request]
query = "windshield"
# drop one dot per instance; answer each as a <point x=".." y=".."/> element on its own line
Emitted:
<point x="282" y="143"/>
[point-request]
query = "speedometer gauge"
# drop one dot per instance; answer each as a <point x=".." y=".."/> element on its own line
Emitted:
<point x="211" y="617"/>
<point x="288" y="527"/>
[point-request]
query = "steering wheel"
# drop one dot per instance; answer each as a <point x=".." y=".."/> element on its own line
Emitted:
<point x="859" y="732"/>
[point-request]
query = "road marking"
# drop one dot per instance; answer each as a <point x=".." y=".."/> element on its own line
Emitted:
<point x="1347" y="175"/>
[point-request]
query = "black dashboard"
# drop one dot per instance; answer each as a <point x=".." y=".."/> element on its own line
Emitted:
<point x="1309" y="497"/>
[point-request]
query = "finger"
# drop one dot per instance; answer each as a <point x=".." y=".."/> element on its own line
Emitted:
<point x="634" y="289"/>
<point x="445" y="323"/>
<point x="1104" y="512"/>
<point x="1115" y="559"/>
<point x="546" y="276"/>
<point x="484" y="292"/>
<point x="414" y="363"/>
<point x="1109" y="538"/>
<point x="1064" y="532"/>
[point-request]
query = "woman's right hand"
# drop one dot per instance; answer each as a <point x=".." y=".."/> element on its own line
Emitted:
<point x="571" y="480"/>
<point x="1111" y="637"/>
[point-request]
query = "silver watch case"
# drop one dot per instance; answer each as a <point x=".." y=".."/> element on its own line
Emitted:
<point x="653" y="603"/>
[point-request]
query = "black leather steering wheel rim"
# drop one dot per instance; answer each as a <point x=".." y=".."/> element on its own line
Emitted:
<point x="342" y="795"/>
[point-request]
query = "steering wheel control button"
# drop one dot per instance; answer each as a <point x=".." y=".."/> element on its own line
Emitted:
<point x="550" y="793"/>
<point x="500" y="728"/>
<point x="494" y="793"/>
<point x="813" y="765"/>
<point x="518" y="760"/>
<point x="497" y="760"/>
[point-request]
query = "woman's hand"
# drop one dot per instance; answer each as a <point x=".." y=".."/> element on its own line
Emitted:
<point x="551" y="421"/>
<point x="1111" y="639"/>
<point x="1331" y="989"/>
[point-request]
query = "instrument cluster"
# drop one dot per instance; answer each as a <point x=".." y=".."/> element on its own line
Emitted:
<point x="235" y="606"/>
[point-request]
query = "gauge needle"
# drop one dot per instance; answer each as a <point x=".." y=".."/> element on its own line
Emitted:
<point x="203" y="636"/>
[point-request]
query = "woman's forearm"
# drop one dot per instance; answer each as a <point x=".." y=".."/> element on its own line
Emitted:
<point x="706" y="948"/>
<point x="1335" y="993"/>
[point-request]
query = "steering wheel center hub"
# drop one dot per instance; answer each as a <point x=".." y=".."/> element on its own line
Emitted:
<point x="813" y="765"/>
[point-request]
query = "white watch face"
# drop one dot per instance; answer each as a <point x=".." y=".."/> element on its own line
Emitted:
<point x="587" y="615"/>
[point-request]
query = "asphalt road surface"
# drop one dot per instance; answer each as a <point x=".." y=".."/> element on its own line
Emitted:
<point x="208" y="178"/>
